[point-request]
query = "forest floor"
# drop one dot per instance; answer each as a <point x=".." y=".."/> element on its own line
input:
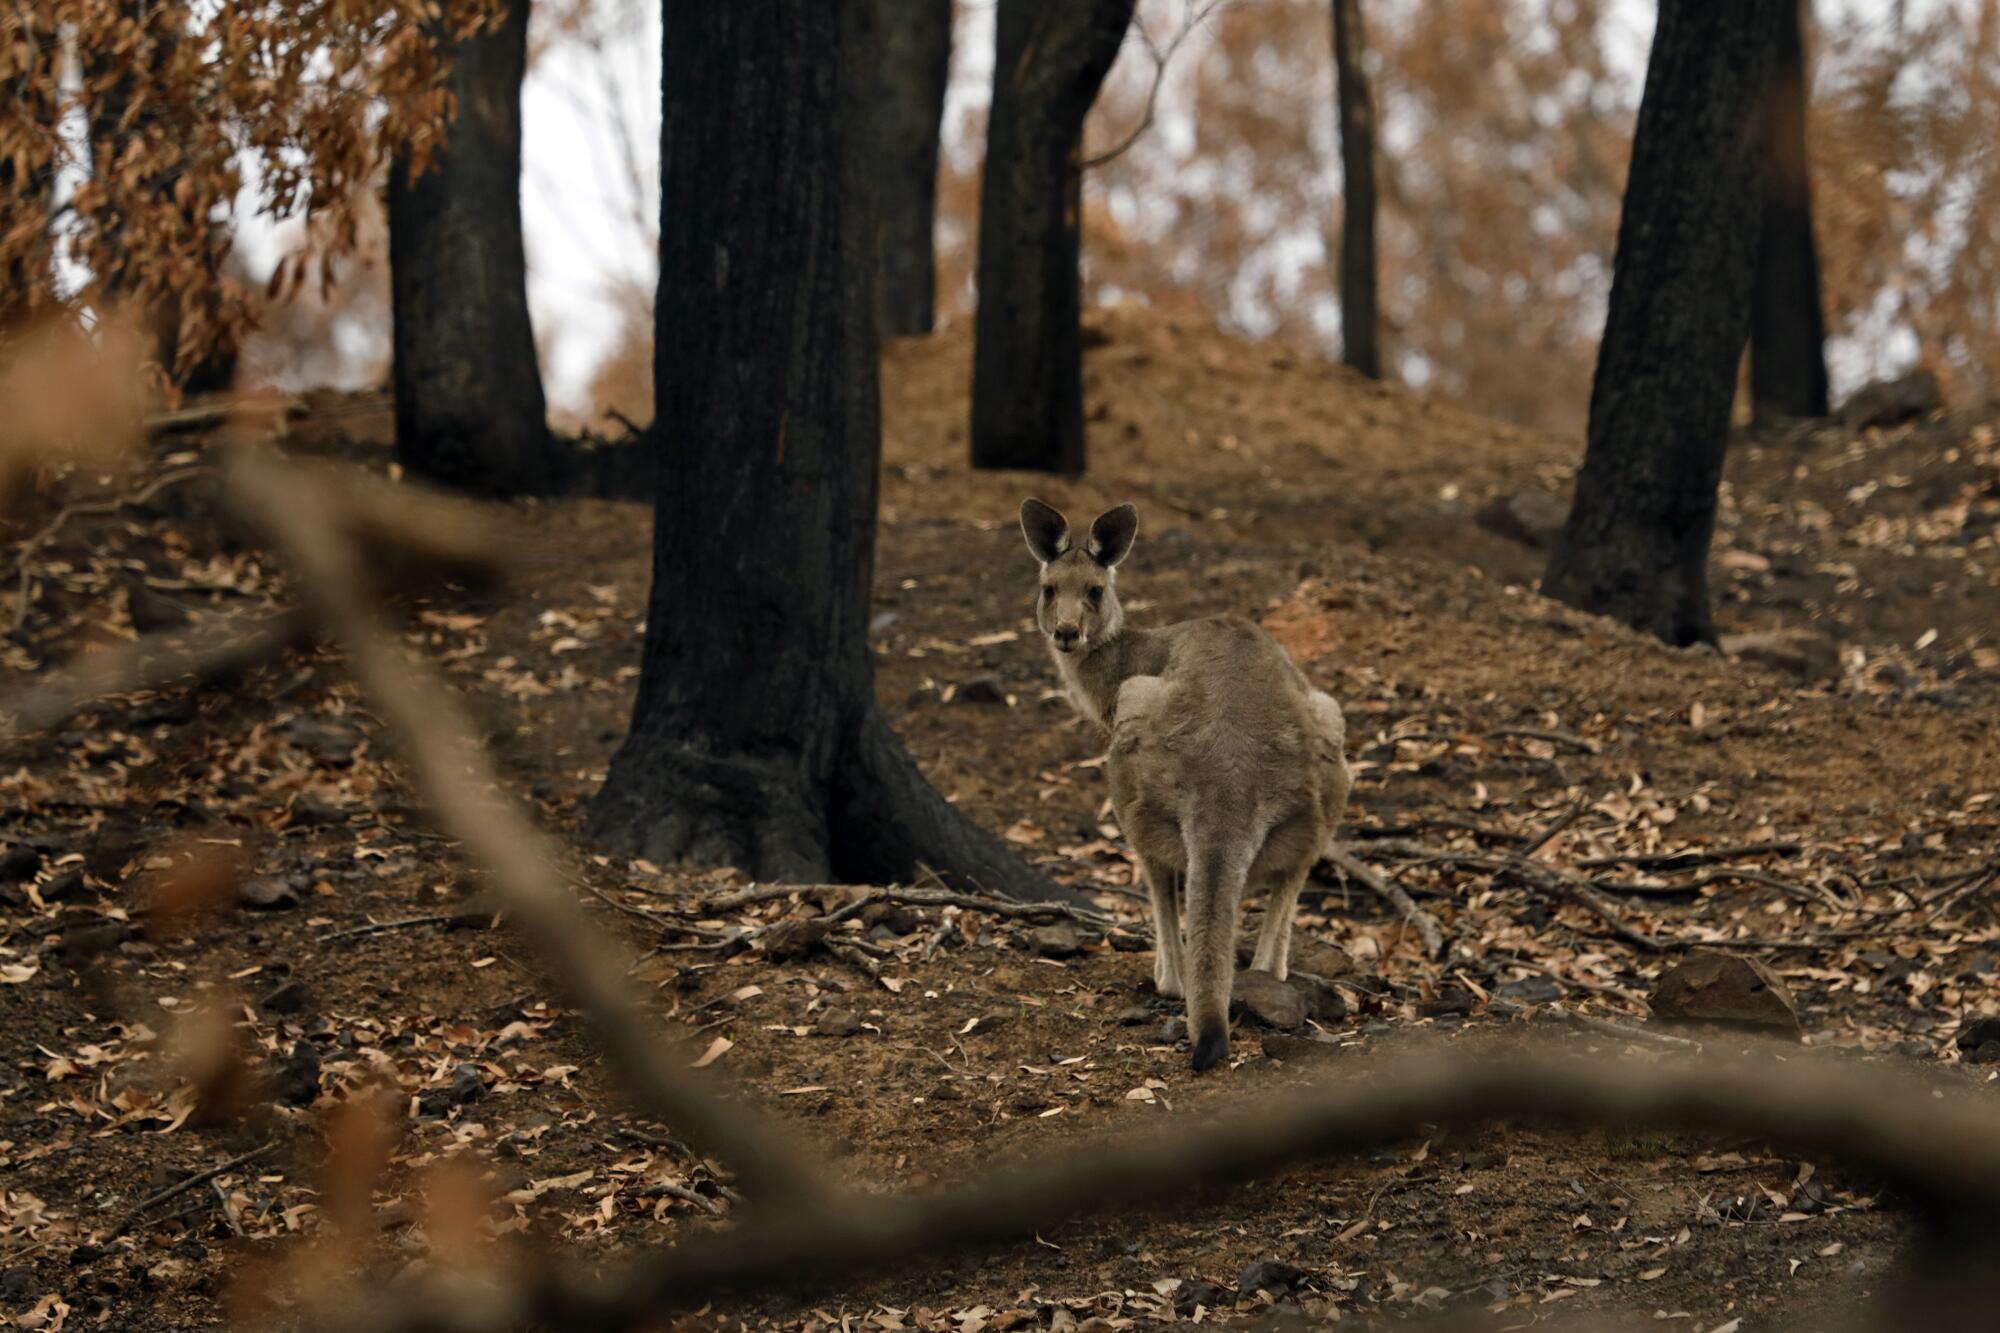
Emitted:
<point x="1863" y="759"/>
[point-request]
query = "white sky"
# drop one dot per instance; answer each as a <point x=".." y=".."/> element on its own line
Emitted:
<point x="591" y="144"/>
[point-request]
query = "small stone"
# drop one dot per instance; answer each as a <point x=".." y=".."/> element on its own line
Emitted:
<point x="1195" y="1292"/>
<point x="1891" y="402"/>
<point x="297" y="1083"/>
<point x="270" y="893"/>
<point x="1978" y="1042"/>
<point x="294" y="997"/>
<point x="1272" y="1002"/>
<point x="1803" y="653"/>
<point x="18" y="863"/>
<point x="1726" y="990"/>
<point x="61" y="888"/>
<point x="153" y="612"/>
<point x="981" y="689"/>
<point x="1533" y="989"/>
<point x="311" y="812"/>
<point x="1173" y="1031"/>
<point x="1324" y="1003"/>
<point x="789" y="941"/>
<point x="1125" y="941"/>
<point x="1452" y="1001"/>
<point x="1135" y="1015"/>
<point x="1533" y="518"/>
<point x="15" y="1286"/>
<point x="837" y="1023"/>
<point x="1294" y="1049"/>
<point x="331" y="740"/>
<point x="1267" y="1275"/>
<point x="1055" y="941"/>
<point x="466" y="1085"/>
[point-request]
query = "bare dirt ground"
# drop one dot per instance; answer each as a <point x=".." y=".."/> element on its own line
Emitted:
<point x="934" y="1043"/>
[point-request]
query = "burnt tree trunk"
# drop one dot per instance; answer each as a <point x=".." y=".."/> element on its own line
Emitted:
<point x="469" y="407"/>
<point x="1050" y="58"/>
<point x="1359" y="324"/>
<point x="755" y="739"/>
<point x="907" y="45"/>
<point x="1787" y="329"/>
<point x="1635" y="545"/>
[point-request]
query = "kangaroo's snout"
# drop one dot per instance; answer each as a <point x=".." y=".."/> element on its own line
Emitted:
<point x="1065" y="639"/>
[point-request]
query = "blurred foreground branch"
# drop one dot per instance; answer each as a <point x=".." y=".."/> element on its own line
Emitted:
<point x="463" y="790"/>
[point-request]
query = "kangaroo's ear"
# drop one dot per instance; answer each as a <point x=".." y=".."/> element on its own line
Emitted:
<point x="1045" y="528"/>
<point x="1111" y="535"/>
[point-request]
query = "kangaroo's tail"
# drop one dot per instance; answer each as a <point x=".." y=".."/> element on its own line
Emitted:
<point x="1218" y="864"/>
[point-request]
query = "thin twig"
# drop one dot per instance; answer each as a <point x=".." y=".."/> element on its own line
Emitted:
<point x="383" y="927"/>
<point x="1568" y="740"/>
<point x="1691" y="857"/>
<point x="24" y="557"/>
<point x="1548" y="835"/>
<point x="1426" y="925"/>
<point x="126" y="1223"/>
<point x="1160" y="61"/>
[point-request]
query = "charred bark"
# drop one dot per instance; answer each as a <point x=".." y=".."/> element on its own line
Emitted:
<point x="1635" y="545"/>
<point x="907" y="43"/>
<point x="469" y="407"/>
<point x="1360" y="325"/>
<point x="1050" y="59"/>
<point x="755" y="739"/>
<point x="1787" y="328"/>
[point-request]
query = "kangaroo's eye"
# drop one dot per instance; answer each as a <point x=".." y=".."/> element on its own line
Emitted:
<point x="1048" y="592"/>
<point x="1096" y="596"/>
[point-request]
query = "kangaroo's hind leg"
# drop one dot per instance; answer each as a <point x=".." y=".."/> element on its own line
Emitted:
<point x="1280" y="872"/>
<point x="1164" y="886"/>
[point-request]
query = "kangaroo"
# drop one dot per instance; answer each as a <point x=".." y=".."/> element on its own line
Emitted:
<point x="1227" y="767"/>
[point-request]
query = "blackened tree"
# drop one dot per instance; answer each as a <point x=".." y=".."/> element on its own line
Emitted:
<point x="906" y="44"/>
<point x="1787" y="327"/>
<point x="1050" y="59"/>
<point x="1635" y="545"/>
<point x="470" y="412"/>
<point x="1359" y="323"/>
<point x="756" y="740"/>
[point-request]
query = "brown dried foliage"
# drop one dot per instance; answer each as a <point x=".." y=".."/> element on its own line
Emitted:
<point x="184" y="105"/>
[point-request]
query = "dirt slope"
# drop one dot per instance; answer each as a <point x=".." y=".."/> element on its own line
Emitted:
<point x="1342" y="513"/>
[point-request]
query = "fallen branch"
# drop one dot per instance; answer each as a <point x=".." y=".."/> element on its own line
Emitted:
<point x="127" y="1222"/>
<point x="1549" y="834"/>
<point x="915" y="897"/>
<point x="1566" y="739"/>
<point x="461" y="786"/>
<point x="206" y="654"/>
<point x="1682" y="860"/>
<point x="1426" y="924"/>
<point x="1549" y="879"/>
<point x="383" y="927"/>
<point x="24" y="557"/>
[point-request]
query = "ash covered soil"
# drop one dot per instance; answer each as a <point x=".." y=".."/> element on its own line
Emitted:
<point x="1851" y="747"/>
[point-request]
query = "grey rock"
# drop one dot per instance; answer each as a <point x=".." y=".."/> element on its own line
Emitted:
<point x="293" y="997"/>
<point x="1891" y="402"/>
<point x="1055" y="941"/>
<point x="1274" y="1003"/>
<point x="837" y="1023"/>
<point x="271" y="893"/>
<point x="1533" y="518"/>
<point x="1726" y="990"/>
<point x="1806" y="654"/>
<point x="981" y="689"/>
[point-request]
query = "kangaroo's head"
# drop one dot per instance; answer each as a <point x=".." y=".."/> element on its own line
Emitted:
<point x="1076" y="603"/>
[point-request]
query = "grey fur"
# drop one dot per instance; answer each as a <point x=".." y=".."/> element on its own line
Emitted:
<point x="1227" y="767"/>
